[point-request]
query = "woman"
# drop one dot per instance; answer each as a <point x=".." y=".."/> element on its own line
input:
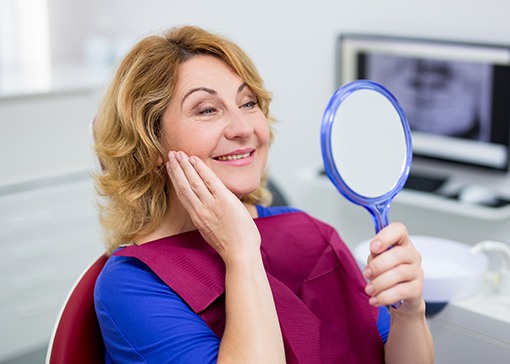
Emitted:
<point x="200" y="270"/>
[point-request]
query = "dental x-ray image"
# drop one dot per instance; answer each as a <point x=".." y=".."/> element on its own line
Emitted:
<point x="443" y="97"/>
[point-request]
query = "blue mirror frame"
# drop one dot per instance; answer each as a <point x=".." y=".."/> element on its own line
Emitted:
<point x="378" y="206"/>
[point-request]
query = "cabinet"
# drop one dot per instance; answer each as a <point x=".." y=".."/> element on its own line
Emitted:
<point x="48" y="235"/>
<point x="49" y="231"/>
<point x="466" y="334"/>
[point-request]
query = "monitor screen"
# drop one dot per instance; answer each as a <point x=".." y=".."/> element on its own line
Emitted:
<point x="456" y="96"/>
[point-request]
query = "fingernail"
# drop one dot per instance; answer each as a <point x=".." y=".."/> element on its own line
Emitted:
<point x="192" y="160"/>
<point x="376" y="245"/>
<point x="369" y="289"/>
<point x="171" y="156"/>
<point x="178" y="155"/>
<point x="373" y="301"/>
<point x="368" y="273"/>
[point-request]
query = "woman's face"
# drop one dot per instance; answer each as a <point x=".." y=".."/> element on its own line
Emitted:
<point x="214" y="115"/>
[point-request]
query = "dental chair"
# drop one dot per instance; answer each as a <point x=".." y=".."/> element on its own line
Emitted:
<point x="76" y="337"/>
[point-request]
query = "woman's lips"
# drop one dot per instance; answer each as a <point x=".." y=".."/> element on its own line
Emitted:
<point x="237" y="157"/>
<point x="231" y="157"/>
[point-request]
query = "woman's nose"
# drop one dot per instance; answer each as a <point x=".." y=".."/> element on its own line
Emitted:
<point x="239" y="125"/>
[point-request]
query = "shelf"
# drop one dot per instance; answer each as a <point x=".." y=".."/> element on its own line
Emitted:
<point x="421" y="199"/>
<point x="57" y="79"/>
<point x="443" y="204"/>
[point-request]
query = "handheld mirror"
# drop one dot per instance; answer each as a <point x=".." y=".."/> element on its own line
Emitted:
<point x="366" y="147"/>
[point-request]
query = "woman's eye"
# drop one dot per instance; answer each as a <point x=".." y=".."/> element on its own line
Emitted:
<point x="249" y="105"/>
<point x="207" y="111"/>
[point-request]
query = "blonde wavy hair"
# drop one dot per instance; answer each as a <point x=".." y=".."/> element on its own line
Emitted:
<point x="133" y="187"/>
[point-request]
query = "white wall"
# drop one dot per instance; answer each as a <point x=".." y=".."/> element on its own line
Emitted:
<point x="291" y="41"/>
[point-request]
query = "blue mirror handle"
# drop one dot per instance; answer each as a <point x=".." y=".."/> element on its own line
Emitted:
<point x="380" y="213"/>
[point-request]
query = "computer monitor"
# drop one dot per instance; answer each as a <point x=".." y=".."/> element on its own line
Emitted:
<point x="456" y="95"/>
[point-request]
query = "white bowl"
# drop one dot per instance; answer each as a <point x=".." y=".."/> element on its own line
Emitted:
<point x="450" y="270"/>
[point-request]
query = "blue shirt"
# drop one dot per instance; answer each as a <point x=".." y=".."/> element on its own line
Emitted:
<point x="143" y="320"/>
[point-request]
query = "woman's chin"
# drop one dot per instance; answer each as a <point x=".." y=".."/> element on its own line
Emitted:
<point x="240" y="192"/>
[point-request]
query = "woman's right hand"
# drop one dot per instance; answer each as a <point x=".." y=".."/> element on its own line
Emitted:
<point x="217" y="213"/>
<point x="252" y="331"/>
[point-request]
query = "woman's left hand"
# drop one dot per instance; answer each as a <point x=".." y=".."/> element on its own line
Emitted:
<point x="394" y="270"/>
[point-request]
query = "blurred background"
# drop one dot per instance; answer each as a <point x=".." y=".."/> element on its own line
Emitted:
<point x="56" y="57"/>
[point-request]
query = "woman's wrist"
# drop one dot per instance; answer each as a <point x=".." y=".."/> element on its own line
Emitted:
<point x="415" y="312"/>
<point x="244" y="261"/>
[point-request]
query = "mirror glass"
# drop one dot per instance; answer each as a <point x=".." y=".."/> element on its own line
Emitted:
<point x="366" y="146"/>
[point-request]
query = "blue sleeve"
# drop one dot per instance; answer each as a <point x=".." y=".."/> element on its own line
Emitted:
<point x="144" y="321"/>
<point x="383" y="323"/>
<point x="263" y="211"/>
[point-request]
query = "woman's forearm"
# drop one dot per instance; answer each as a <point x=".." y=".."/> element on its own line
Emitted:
<point x="252" y="333"/>
<point x="410" y="340"/>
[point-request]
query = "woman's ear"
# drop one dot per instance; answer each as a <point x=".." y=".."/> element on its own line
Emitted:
<point x="160" y="161"/>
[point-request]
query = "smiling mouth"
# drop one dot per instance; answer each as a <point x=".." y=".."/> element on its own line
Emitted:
<point x="233" y="157"/>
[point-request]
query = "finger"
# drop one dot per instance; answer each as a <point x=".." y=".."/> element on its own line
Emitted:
<point x="180" y="181"/>
<point x="209" y="178"/>
<point x="393" y="284"/>
<point x="406" y="291"/>
<point x="390" y="259"/>
<point x="195" y="181"/>
<point x="389" y="278"/>
<point x="392" y="235"/>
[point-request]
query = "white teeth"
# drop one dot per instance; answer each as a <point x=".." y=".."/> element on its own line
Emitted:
<point x="233" y="157"/>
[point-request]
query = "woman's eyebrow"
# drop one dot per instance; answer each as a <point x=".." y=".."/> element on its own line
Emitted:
<point x="240" y="88"/>
<point x="208" y="90"/>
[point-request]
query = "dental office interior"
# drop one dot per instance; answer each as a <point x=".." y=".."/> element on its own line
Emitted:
<point x="56" y="57"/>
